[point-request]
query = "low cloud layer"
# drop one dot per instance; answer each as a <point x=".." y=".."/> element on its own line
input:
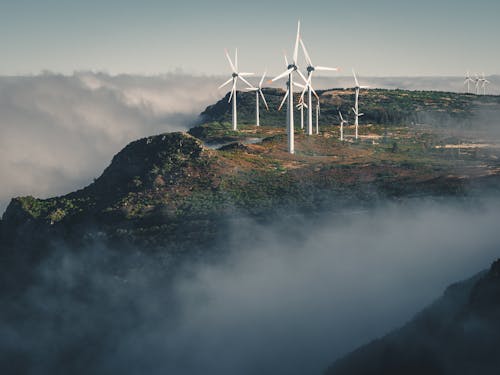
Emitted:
<point x="289" y="298"/>
<point x="59" y="132"/>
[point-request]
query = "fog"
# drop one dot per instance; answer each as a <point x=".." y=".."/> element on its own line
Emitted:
<point x="288" y="298"/>
<point x="59" y="132"/>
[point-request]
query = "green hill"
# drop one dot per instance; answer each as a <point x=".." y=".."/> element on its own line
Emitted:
<point x="173" y="189"/>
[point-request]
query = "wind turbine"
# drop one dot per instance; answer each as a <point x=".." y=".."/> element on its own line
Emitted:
<point x="301" y="106"/>
<point x="468" y="80"/>
<point x="308" y="87"/>
<point x="310" y="69"/>
<point x="234" y="78"/>
<point x="485" y="82"/>
<point x="477" y="80"/>
<point x="342" y="122"/>
<point x="258" y="91"/>
<point x="291" y="68"/>
<point x="357" y="115"/>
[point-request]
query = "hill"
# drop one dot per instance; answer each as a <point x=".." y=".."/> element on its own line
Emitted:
<point x="458" y="334"/>
<point x="176" y="189"/>
<point x="380" y="107"/>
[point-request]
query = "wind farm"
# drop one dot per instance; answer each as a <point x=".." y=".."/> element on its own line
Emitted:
<point x="179" y="214"/>
<point x="304" y="101"/>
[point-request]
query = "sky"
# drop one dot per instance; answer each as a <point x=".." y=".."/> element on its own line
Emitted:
<point x="378" y="38"/>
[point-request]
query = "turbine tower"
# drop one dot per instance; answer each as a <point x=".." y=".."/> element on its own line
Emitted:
<point x="234" y="78"/>
<point x="468" y="81"/>
<point x="291" y="68"/>
<point x="258" y="91"/>
<point x="342" y="122"/>
<point x="310" y="69"/>
<point x="357" y="115"/>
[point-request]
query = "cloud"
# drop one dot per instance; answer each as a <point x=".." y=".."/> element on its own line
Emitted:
<point x="288" y="298"/>
<point x="59" y="132"/>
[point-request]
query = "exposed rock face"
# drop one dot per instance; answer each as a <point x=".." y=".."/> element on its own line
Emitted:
<point x="145" y="180"/>
<point x="458" y="334"/>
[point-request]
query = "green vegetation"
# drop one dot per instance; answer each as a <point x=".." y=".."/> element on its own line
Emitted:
<point x="388" y="107"/>
<point x="171" y="182"/>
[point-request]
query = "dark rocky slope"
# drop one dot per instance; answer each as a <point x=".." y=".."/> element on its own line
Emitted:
<point x="458" y="334"/>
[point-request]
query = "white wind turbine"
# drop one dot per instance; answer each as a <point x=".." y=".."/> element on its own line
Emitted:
<point x="477" y="82"/>
<point x="258" y="91"/>
<point x="302" y="104"/>
<point x="342" y="122"/>
<point x="468" y="81"/>
<point x="310" y="69"/>
<point x="234" y="78"/>
<point x="357" y="115"/>
<point x="484" y="83"/>
<point x="301" y="107"/>
<point x="308" y="87"/>
<point x="291" y="68"/>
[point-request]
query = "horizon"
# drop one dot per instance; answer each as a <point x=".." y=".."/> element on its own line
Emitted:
<point x="395" y="39"/>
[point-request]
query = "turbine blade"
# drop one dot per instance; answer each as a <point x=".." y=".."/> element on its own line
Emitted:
<point x="236" y="59"/>
<point x="233" y="90"/>
<point x="284" y="99"/>
<point x="341" y="118"/>
<point x="225" y="83"/>
<point x="230" y="62"/>
<point x="244" y="80"/>
<point x="284" y="74"/>
<point x="355" y="78"/>
<point x="286" y="59"/>
<point x="302" y="76"/>
<point x="246" y="74"/>
<point x="308" y="58"/>
<point x="296" y="48"/>
<point x="264" y="99"/>
<point x="302" y="95"/>
<point x="314" y="92"/>
<point x="325" y="68"/>
<point x="262" y="79"/>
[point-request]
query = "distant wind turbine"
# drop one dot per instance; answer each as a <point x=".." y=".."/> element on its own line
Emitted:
<point x="308" y="87"/>
<point x="301" y="107"/>
<point x="258" y="91"/>
<point x="291" y="68"/>
<point x="485" y="82"/>
<point x="342" y="122"/>
<point x="310" y="69"/>
<point x="468" y="81"/>
<point x="477" y="82"/>
<point x="357" y="115"/>
<point x="234" y="78"/>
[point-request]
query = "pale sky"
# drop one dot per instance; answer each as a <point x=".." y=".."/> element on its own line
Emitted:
<point x="378" y="38"/>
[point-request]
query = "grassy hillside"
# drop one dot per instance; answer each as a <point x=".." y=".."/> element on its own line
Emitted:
<point x="388" y="107"/>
